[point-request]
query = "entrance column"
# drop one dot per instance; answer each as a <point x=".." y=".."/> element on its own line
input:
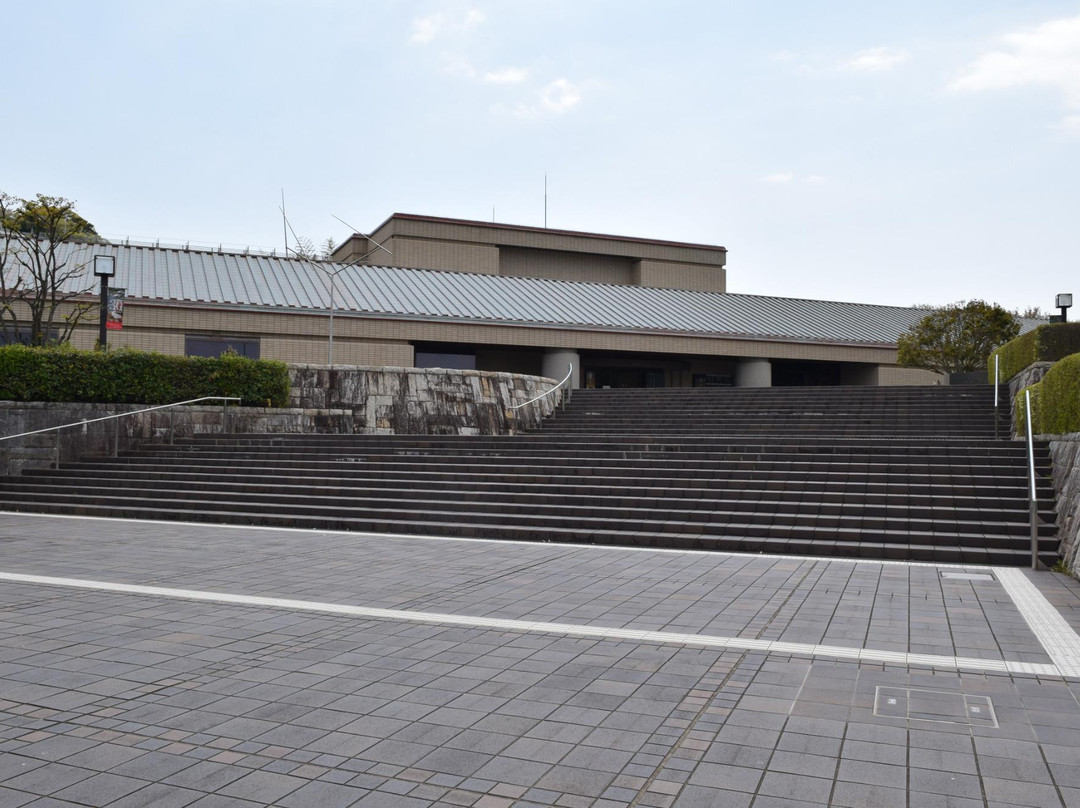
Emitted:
<point x="555" y="362"/>
<point x="752" y="373"/>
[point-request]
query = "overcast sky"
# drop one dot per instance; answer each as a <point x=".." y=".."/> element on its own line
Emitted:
<point x="897" y="153"/>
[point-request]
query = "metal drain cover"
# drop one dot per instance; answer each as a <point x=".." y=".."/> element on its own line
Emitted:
<point x="969" y="576"/>
<point x="934" y="705"/>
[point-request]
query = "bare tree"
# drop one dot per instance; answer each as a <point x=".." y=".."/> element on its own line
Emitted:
<point x="37" y="269"/>
<point x="9" y="286"/>
<point x="305" y="249"/>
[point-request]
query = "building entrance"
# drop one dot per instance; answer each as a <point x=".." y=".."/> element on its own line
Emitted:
<point x="624" y="377"/>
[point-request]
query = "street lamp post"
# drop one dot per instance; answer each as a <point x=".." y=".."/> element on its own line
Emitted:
<point x="104" y="268"/>
<point x="332" y="275"/>
<point x="1064" y="303"/>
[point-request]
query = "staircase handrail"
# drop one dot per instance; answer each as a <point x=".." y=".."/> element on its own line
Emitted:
<point x="1033" y="504"/>
<point x="569" y="373"/>
<point x="119" y="415"/>
<point x="116" y="417"/>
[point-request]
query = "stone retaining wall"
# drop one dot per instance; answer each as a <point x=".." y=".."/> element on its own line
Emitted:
<point x="339" y="401"/>
<point x="1065" y="455"/>
<point x="118" y="434"/>
<point x="1025" y="378"/>
<point x="424" y="401"/>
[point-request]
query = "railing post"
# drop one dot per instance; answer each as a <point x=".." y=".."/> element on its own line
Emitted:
<point x="223" y="405"/>
<point x="1033" y="506"/>
<point x="56" y="450"/>
<point x="116" y="438"/>
<point x="172" y="425"/>
<point x="997" y="381"/>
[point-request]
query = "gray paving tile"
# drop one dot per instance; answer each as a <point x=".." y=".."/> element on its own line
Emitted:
<point x="701" y="797"/>
<point x="158" y="795"/>
<point x="100" y="790"/>
<point x="573" y="719"/>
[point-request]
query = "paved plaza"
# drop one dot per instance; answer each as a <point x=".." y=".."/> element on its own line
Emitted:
<point x="169" y="665"/>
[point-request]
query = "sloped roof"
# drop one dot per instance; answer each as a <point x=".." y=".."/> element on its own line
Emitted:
<point x="261" y="281"/>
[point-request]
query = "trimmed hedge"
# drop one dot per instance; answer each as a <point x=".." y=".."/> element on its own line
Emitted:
<point x="127" y="376"/>
<point x="1055" y="401"/>
<point x="1047" y="343"/>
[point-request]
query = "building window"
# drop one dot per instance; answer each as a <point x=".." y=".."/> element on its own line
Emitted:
<point x="196" y="345"/>
<point x="20" y="335"/>
<point x="449" y="361"/>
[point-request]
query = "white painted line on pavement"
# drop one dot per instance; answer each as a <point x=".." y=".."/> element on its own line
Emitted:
<point x="702" y="640"/>
<point x="1056" y="635"/>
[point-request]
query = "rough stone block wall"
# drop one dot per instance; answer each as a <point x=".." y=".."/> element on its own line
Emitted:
<point x="1065" y="456"/>
<point x="424" y="401"/>
<point x="1025" y="378"/>
<point x="119" y="434"/>
<point x="342" y="400"/>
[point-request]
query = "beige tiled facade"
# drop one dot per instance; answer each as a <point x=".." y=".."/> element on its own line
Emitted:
<point x="424" y="242"/>
<point x="302" y="337"/>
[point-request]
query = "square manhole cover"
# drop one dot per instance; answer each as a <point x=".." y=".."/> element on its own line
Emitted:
<point x="934" y="705"/>
<point x="968" y="576"/>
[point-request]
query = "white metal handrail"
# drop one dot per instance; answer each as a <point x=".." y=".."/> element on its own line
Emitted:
<point x="1033" y="505"/>
<point x="116" y="417"/>
<point x="997" y="385"/>
<point x="569" y="373"/>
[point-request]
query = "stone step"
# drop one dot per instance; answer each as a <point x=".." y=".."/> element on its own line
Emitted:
<point x="884" y="487"/>
<point x="846" y="543"/>
<point x="704" y="504"/>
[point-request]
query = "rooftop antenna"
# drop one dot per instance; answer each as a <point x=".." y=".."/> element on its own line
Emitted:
<point x="284" y="223"/>
<point x="545" y="200"/>
<point x="378" y="246"/>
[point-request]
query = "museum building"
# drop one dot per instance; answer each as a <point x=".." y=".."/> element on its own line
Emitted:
<point x="423" y="291"/>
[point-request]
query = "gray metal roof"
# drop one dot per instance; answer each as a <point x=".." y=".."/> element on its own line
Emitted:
<point x="158" y="274"/>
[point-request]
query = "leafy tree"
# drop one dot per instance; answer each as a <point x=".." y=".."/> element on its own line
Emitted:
<point x="33" y="273"/>
<point x="957" y="338"/>
<point x="47" y="216"/>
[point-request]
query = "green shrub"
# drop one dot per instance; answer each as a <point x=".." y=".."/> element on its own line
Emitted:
<point x="127" y="376"/>
<point x="1047" y="343"/>
<point x="1060" y="410"/>
<point x="1055" y="401"/>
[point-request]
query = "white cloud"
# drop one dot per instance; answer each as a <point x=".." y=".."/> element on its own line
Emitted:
<point x="427" y="29"/>
<point x="1070" y="126"/>
<point x="560" y="96"/>
<point x="787" y="177"/>
<point x="876" y="60"/>
<point x="1048" y="55"/>
<point x="506" y="75"/>
<point x="556" y="98"/>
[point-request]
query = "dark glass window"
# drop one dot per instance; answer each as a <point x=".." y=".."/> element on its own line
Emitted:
<point x="195" y="345"/>
<point x="21" y="335"/>
<point x="455" y="361"/>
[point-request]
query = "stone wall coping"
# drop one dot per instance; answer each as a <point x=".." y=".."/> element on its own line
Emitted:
<point x="1068" y="437"/>
<point x="491" y="374"/>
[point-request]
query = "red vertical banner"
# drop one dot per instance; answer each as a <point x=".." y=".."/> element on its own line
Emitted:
<point x="114" y="318"/>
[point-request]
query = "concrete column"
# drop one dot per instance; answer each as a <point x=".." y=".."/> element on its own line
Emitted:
<point x="555" y="362"/>
<point x="752" y="373"/>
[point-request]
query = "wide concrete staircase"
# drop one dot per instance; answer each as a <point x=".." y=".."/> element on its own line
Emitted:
<point x="902" y="473"/>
